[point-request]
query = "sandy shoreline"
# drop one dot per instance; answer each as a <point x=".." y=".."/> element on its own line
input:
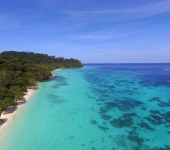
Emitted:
<point x="57" y="69"/>
<point x="9" y="116"/>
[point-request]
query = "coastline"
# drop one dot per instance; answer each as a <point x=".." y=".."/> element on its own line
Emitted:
<point x="9" y="116"/>
<point x="56" y="69"/>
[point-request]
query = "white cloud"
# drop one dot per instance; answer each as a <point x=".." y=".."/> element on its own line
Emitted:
<point x="101" y="35"/>
<point x="151" y="9"/>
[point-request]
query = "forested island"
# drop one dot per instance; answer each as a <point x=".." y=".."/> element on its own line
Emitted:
<point x="22" y="70"/>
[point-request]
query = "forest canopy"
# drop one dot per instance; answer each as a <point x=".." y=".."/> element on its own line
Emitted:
<point x="20" y="70"/>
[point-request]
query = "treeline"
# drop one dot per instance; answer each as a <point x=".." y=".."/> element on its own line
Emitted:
<point x="43" y="59"/>
<point x="20" y="70"/>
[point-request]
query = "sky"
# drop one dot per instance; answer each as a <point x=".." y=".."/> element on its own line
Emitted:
<point x="93" y="31"/>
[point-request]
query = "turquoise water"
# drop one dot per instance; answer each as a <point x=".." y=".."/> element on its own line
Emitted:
<point x="97" y="107"/>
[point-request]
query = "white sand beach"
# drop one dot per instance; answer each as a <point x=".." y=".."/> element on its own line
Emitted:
<point x="57" y="69"/>
<point x="9" y="116"/>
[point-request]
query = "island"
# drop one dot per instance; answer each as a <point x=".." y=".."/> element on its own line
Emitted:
<point x="20" y="71"/>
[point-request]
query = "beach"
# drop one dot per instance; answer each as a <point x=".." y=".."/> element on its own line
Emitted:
<point x="9" y="116"/>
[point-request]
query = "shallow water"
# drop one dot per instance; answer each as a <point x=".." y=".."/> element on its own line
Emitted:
<point x="97" y="107"/>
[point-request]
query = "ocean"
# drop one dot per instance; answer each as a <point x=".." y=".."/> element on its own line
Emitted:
<point x="97" y="107"/>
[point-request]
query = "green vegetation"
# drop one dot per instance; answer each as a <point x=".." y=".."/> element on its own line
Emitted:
<point x="20" y="70"/>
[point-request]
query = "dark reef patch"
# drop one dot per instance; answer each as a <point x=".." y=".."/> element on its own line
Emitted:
<point x="59" y="81"/>
<point x="104" y="123"/>
<point x="159" y="118"/>
<point x="93" y="148"/>
<point x="72" y="136"/>
<point x="103" y="128"/>
<point x="145" y="83"/>
<point x="120" y="123"/>
<point x="166" y="116"/>
<point x="133" y="136"/>
<point x="93" y="122"/>
<point x="143" y="108"/>
<point x="161" y="148"/>
<point x="124" y="121"/>
<point x="129" y="115"/>
<point x="164" y="104"/>
<point x="131" y="82"/>
<point x="160" y="102"/>
<point x="55" y="99"/>
<point x="111" y="87"/>
<point x="123" y="105"/>
<point x="155" y="121"/>
<point x="120" y="141"/>
<point x="127" y="91"/>
<point x="145" y="125"/>
<point x="155" y="112"/>
<point x="105" y="117"/>
<point x="91" y="142"/>
<point x="154" y="99"/>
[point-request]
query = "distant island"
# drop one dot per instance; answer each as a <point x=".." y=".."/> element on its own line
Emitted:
<point x="22" y="70"/>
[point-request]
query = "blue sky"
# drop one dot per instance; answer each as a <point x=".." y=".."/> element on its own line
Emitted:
<point x="118" y="31"/>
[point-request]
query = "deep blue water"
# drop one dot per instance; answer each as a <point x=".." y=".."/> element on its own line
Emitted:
<point x="97" y="107"/>
<point x="134" y="99"/>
